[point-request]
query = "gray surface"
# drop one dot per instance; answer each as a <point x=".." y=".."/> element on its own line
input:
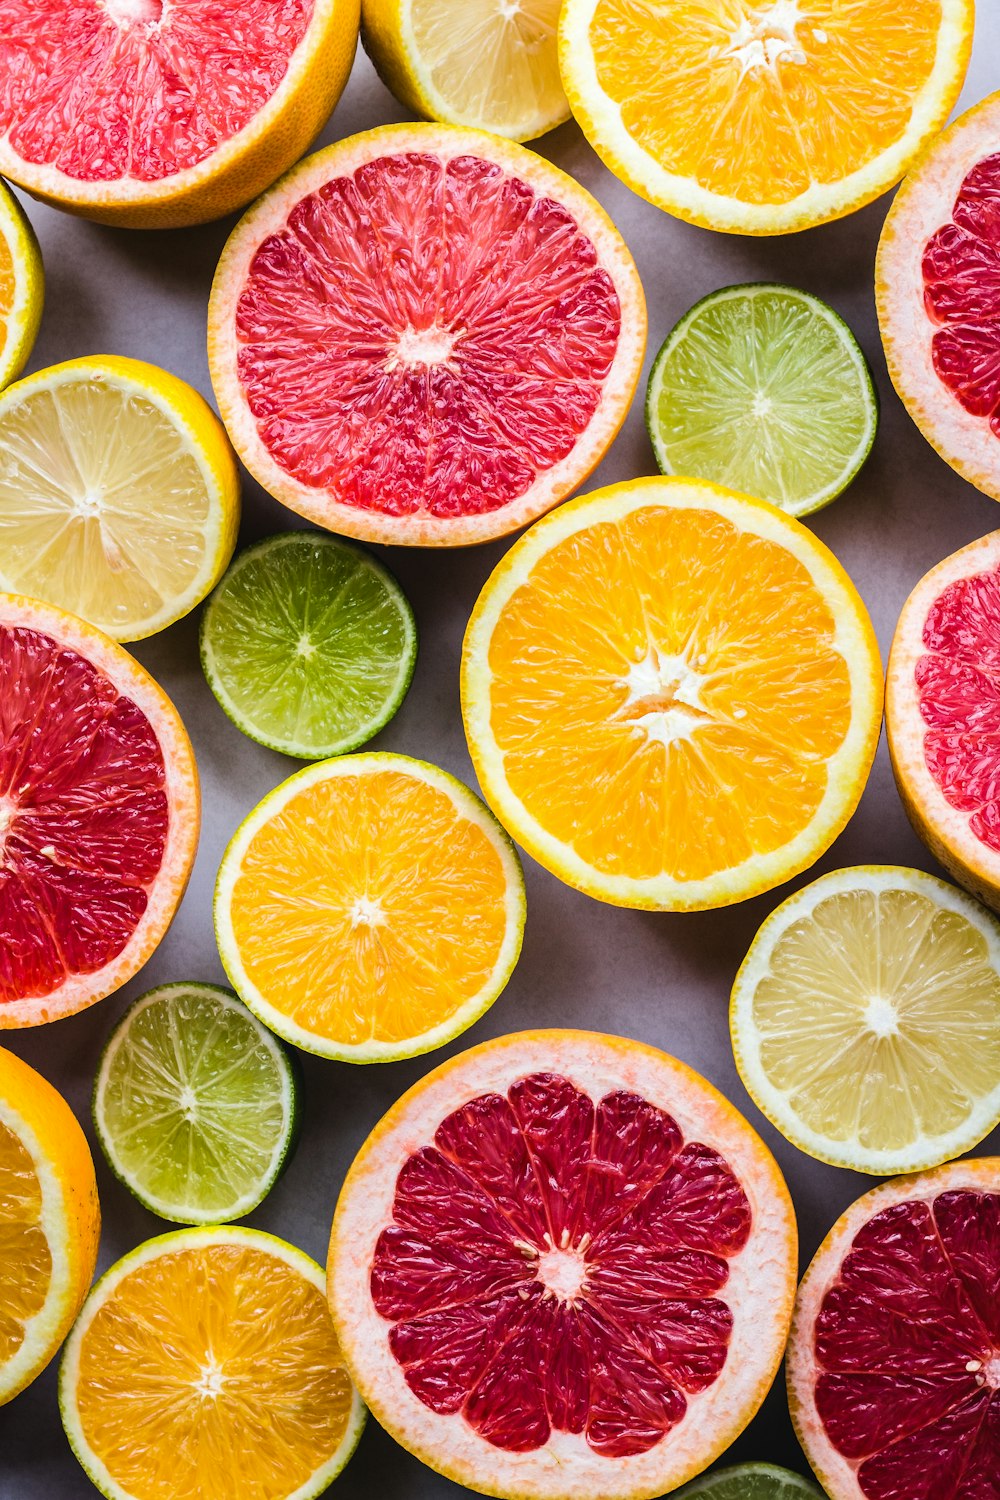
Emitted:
<point x="664" y="979"/>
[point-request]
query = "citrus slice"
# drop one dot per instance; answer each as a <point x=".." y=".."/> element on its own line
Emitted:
<point x="866" y="1020"/>
<point x="99" y="813"/>
<point x="942" y="718"/>
<point x="471" y="62"/>
<point x="424" y="335"/>
<point x="644" y="667"/>
<point x="751" y="1482"/>
<point x="562" y="1264"/>
<point x="309" y="644"/>
<point x="894" y="1359"/>
<point x="195" y="1104"/>
<point x="760" y="118"/>
<point x="22" y="286"/>
<point x="157" y="113"/>
<point x="369" y="908"/>
<point x="937" y="287"/>
<point x="119" y="493"/>
<point x="763" y="388"/>
<point x="191" y="1349"/>
<point x="49" y="1222"/>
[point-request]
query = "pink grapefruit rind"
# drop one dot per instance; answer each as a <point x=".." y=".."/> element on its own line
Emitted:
<point x="760" y="1288"/>
<point x="183" y="797"/>
<point x="923" y="204"/>
<point x="270" y="215"/>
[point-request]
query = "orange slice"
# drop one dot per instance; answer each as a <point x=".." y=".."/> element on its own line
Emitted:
<point x="369" y="908"/>
<point x="641" y="672"/>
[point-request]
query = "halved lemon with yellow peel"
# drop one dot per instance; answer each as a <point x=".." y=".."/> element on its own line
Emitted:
<point x="762" y="116"/>
<point x="50" y="1222"/>
<point x="205" y="1363"/>
<point x="672" y="694"/>
<point x="22" y="286"/>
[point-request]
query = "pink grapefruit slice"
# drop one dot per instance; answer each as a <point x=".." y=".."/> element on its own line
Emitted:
<point x="943" y="714"/>
<point x="99" y="813"/>
<point x="563" y="1266"/>
<point x="894" y="1358"/>
<point x="426" y="335"/>
<point x="938" y="292"/>
<point x="156" y="113"/>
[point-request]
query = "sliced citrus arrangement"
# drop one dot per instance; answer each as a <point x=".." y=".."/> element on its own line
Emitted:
<point x="760" y="118"/>
<point x="866" y="1020"/>
<point x="119" y="493"/>
<point x="894" y="1358"/>
<point x="942" y="716"/>
<point x="424" y="335"/>
<point x="369" y="908"/>
<point x="644" y="667"/>
<point x="22" y="286"/>
<point x="192" y="1347"/>
<point x="562" y="1264"/>
<point x="159" y="113"/>
<point x="50" y="1222"/>
<point x="99" y="813"/>
<point x="750" y="1482"/>
<point x="471" y="62"/>
<point x="937" y="287"/>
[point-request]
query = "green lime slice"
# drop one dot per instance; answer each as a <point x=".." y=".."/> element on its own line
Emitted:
<point x="763" y="389"/>
<point x="751" y="1482"/>
<point x="195" y="1104"/>
<point x="309" y="644"/>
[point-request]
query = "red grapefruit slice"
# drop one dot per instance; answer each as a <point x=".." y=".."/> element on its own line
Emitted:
<point x="424" y="335"/>
<point x="943" y="713"/>
<point x="562" y="1266"/>
<point x="937" y="286"/>
<point x="98" y="813"/>
<point x="154" y="113"/>
<point x="894" y="1358"/>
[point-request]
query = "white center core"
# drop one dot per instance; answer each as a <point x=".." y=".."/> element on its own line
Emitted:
<point x="562" y="1272"/>
<point x="509" y="9"/>
<point x="88" y="505"/>
<point x="366" y="913"/>
<point x="664" y="697"/>
<point x="880" y="1016"/>
<point x="766" y="36"/>
<point x="188" y="1101"/>
<point x="423" y="346"/>
<point x="210" y="1382"/>
<point x="134" y="12"/>
<point x="762" y="405"/>
<point x="304" y="647"/>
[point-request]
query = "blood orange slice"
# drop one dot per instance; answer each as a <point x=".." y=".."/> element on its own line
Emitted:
<point x="99" y="813"/>
<point x="938" y="293"/>
<point x="943" y="713"/>
<point x="424" y="334"/>
<point x="155" y="113"/>
<point x="562" y="1265"/>
<point x="894" y="1359"/>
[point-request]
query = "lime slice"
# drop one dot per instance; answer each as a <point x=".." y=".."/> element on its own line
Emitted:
<point x="195" y="1104"/>
<point x="751" y="1482"/>
<point x="308" y="644"/>
<point x="764" y="389"/>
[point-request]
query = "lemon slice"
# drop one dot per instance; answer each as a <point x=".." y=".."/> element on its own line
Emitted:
<point x="22" y="286"/>
<point x="119" y="494"/>
<point x="866" y="1020"/>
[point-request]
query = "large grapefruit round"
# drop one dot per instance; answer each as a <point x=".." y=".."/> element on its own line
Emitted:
<point x="937" y="286"/>
<point x="99" y="813"/>
<point x="894" y="1358"/>
<point x="158" y="113"/>
<point x="424" y="334"/>
<point x="562" y="1266"/>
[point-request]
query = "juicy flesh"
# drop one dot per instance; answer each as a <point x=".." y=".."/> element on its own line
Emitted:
<point x="555" y="1265"/>
<point x="110" y="89"/>
<point x="102" y="504"/>
<point x="654" y="680"/>
<point x="958" y="692"/>
<point x="879" y="1018"/>
<point x="425" y="336"/>
<point x="907" y="1345"/>
<point x="762" y="101"/>
<point x="493" y="61"/>
<point x="25" y="1258"/>
<point x="213" y="1371"/>
<point x="369" y="908"/>
<point x="83" y="815"/>
<point x="961" y="269"/>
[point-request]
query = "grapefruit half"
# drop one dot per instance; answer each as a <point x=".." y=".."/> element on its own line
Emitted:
<point x="159" y="113"/>
<point x="937" y="285"/>
<point x="424" y="335"/>
<point x="562" y="1266"/>
<point x="99" y="813"/>
<point x="894" y="1358"/>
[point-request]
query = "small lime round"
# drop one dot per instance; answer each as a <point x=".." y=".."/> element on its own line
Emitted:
<point x="750" y="1482"/>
